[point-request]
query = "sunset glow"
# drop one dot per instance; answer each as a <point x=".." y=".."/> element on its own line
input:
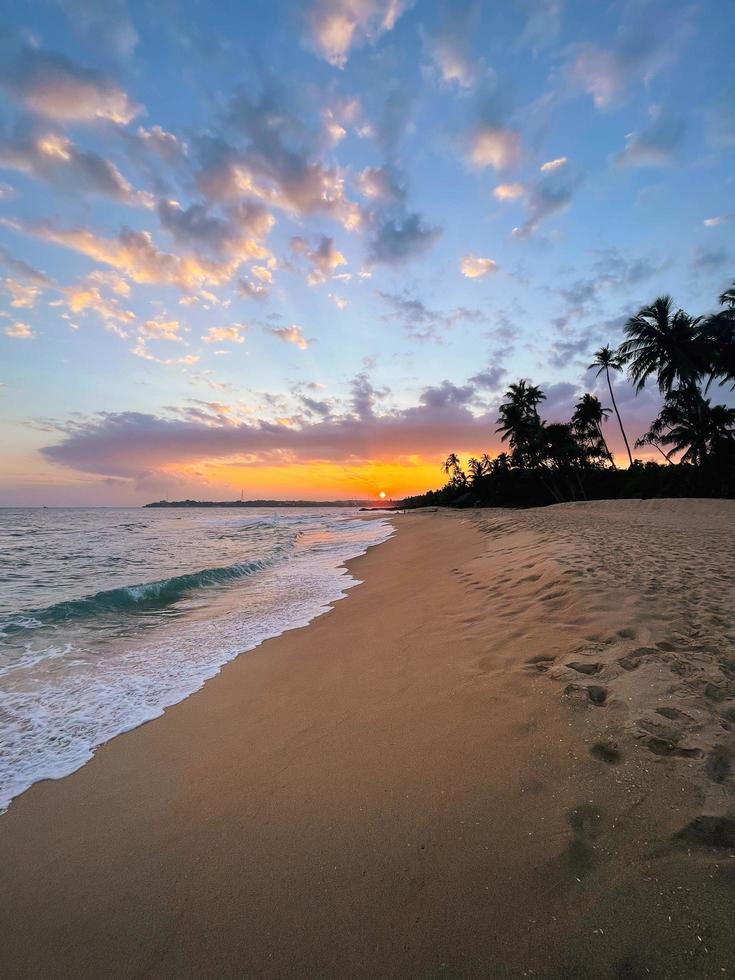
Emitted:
<point x="300" y="250"/>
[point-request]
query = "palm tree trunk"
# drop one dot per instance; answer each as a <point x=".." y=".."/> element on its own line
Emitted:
<point x="620" y="421"/>
<point x="603" y="440"/>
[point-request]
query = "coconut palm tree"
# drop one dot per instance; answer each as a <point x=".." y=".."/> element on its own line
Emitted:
<point x="453" y="468"/>
<point x="719" y="334"/>
<point x="669" y="345"/>
<point x="728" y="297"/>
<point x="607" y="360"/>
<point x="691" y="426"/>
<point x="587" y="425"/>
<point x="519" y="421"/>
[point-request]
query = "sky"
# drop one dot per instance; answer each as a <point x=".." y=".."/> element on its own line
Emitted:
<point x="299" y="248"/>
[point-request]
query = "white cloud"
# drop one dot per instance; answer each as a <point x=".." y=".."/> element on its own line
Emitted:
<point x="22" y="297"/>
<point x="475" y="267"/>
<point x="715" y="222"/>
<point x="509" y="192"/>
<point x="551" y="165"/>
<point x="336" y="26"/>
<point x="20" y="331"/>
<point x="494" y="146"/>
<point x="162" y="330"/>
<point x="223" y="335"/>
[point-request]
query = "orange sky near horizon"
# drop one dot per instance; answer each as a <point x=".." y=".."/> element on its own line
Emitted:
<point x="316" y="480"/>
<point x="324" y="480"/>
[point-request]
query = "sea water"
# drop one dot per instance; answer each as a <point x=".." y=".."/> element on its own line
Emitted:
<point x="108" y="616"/>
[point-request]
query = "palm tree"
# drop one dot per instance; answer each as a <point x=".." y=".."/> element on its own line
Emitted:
<point x="587" y="424"/>
<point x="475" y="469"/>
<point x="519" y="421"/>
<point x="452" y="465"/>
<point x="691" y="426"/>
<point x="728" y="297"/>
<point x="719" y="334"/>
<point x="667" y="344"/>
<point x="606" y="359"/>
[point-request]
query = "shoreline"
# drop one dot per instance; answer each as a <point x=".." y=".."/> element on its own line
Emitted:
<point x="74" y="742"/>
<point x="407" y="786"/>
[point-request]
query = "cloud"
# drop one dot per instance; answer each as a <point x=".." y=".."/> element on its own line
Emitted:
<point x="135" y="255"/>
<point x="22" y="269"/>
<point x="162" y="330"/>
<point x="130" y="444"/>
<point x="509" y="192"/>
<point x="494" y="146"/>
<point x="236" y="236"/>
<point x="51" y="85"/>
<point x="20" y="331"/>
<point x="140" y="349"/>
<point x="291" y="335"/>
<point x="159" y="141"/>
<point x="491" y="379"/>
<point x="323" y="259"/>
<point x="715" y="222"/>
<point x="339" y="301"/>
<point x="86" y="295"/>
<point x="474" y="267"/>
<point x="611" y="270"/>
<point x="280" y="163"/>
<point x="400" y="238"/>
<point x="22" y="297"/>
<point x="654" y="146"/>
<point x="450" y="47"/>
<point x="644" y="45"/>
<point x="551" y="165"/>
<point x="421" y="322"/>
<point x="381" y="184"/>
<point x="446" y="395"/>
<point x="222" y="335"/>
<point x="337" y="26"/>
<point x="57" y="161"/>
<point x="545" y="199"/>
<point x="709" y="258"/>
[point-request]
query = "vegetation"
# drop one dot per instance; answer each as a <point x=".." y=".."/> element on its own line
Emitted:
<point x="552" y="462"/>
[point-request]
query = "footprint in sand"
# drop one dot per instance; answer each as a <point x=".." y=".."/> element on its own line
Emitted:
<point x="584" y="668"/>
<point x="594" y="694"/>
<point x="719" y="763"/>
<point x="665" y="747"/>
<point x="708" y="831"/>
<point x="606" y="751"/>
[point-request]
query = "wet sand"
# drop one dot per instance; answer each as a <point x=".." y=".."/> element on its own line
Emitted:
<point x="508" y="753"/>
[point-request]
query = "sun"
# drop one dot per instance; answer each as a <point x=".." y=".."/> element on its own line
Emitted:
<point x="382" y="494"/>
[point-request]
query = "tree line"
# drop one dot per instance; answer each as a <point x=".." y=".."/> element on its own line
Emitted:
<point x="687" y="357"/>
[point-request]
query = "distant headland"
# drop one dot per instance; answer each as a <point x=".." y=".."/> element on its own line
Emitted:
<point x="260" y="503"/>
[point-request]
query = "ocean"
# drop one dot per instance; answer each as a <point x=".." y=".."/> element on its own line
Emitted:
<point x="108" y="616"/>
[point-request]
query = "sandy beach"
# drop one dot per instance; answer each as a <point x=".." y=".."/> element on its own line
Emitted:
<point x="507" y="753"/>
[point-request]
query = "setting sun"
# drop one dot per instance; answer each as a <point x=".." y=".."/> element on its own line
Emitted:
<point x="382" y="494"/>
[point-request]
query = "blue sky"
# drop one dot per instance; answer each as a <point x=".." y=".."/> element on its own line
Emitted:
<point x="300" y="248"/>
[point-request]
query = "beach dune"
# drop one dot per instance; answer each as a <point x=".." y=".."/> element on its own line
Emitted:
<point x="507" y="753"/>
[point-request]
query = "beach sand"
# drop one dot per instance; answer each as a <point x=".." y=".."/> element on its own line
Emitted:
<point x="508" y="753"/>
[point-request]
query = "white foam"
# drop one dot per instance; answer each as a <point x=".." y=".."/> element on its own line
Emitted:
<point x="55" y="710"/>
